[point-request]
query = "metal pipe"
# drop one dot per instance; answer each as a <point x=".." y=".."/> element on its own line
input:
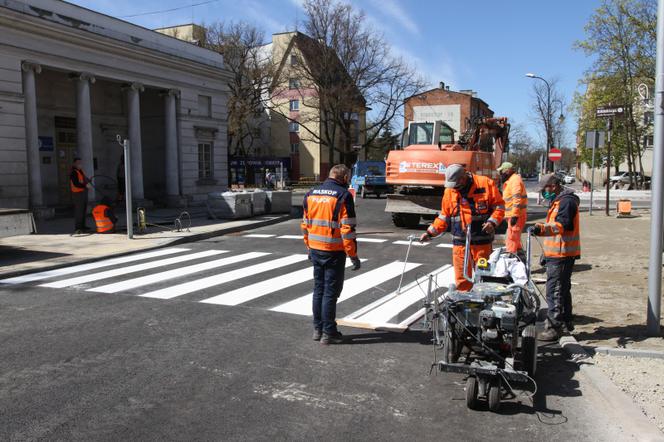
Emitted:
<point x="592" y="174"/>
<point x="655" y="267"/>
<point x="128" y="194"/>
<point x="609" y="127"/>
<point x="466" y="256"/>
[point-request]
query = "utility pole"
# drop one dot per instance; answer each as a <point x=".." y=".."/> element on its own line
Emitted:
<point x="656" y="223"/>
<point x="592" y="174"/>
<point x="609" y="127"/>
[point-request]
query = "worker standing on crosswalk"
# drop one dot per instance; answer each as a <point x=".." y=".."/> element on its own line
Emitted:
<point x="516" y="207"/>
<point x="469" y="200"/>
<point x="328" y="228"/>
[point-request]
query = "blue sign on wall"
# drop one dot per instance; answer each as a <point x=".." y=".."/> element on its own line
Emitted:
<point x="46" y="144"/>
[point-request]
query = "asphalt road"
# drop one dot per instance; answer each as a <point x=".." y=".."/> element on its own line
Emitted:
<point x="213" y="343"/>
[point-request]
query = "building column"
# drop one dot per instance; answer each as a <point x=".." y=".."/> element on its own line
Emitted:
<point x="134" y="111"/>
<point x="171" y="137"/>
<point x="84" y="125"/>
<point x="32" y="132"/>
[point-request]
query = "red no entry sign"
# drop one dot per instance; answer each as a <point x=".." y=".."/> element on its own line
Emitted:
<point x="555" y="154"/>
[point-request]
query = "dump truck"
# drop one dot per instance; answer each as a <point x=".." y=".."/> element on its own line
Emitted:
<point x="417" y="170"/>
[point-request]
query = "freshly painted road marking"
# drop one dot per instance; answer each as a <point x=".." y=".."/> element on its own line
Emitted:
<point x="175" y="273"/>
<point x="446" y="246"/>
<point x="260" y="289"/>
<point x="259" y="235"/>
<point x="131" y="269"/>
<point x="290" y="236"/>
<point x="90" y="266"/>
<point x="352" y="287"/>
<point x="222" y="278"/>
<point x="415" y="243"/>
<point x="371" y="240"/>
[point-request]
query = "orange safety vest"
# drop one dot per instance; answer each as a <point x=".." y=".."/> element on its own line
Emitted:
<point x="81" y="178"/>
<point x="328" y="221"/>
<point x="104" y="223"/>
<point x="558" y="242"/>
<point x="515" y="196"/>
<point x="482" y="203"/>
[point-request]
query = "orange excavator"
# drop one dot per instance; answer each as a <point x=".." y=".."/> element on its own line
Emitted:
<point x="417" y="171"/>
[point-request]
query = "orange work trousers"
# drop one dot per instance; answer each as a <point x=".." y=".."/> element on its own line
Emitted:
<point x="513" y="236"/>
<point x="476" y="252"/>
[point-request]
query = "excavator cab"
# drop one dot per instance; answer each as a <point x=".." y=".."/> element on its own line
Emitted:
<point x="427" y="133"/>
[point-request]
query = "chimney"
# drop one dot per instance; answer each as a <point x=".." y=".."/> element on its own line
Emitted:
<point x="447" y="88"/>
<point x="442" y="85"/>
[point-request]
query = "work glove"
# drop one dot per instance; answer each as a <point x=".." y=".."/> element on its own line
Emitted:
<point x="356" y="262"/>
<point x="309" y="254"/>
<point x="514" y="220"/>
<point x="489" y="227"/>
<point x="425" y="237"/>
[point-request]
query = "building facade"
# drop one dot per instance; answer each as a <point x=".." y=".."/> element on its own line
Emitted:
<point x="457" y="109"/>
<point x="72" y="80"/>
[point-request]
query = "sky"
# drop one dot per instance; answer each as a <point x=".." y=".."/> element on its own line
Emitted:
<point x="483" y="45"/>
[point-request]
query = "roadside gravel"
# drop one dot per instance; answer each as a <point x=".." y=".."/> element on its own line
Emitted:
<point x="640" y="378"/>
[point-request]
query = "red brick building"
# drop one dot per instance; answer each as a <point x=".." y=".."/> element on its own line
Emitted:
<point x="454" y="108"/>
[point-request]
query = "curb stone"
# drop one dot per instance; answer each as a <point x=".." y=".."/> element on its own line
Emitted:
<point x="177" y="241"/>
<point x="634" y="353"/>
<point x="633" y="419"/>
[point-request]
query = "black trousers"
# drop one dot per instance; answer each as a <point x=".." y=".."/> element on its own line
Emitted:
<point x="80" y="200"/>
<point x="559" y="290"/>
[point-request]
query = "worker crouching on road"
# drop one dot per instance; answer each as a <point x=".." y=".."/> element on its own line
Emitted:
<point x="562" y="246"/>
<point x="328" y="227"/>
<point x="516" y="208"/>
<point x="469" y="200"/>
<point x="105" y="219"/>
<point x="79" y="185"/>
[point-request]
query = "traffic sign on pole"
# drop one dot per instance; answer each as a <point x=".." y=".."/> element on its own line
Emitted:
<point x="555" y="154"/>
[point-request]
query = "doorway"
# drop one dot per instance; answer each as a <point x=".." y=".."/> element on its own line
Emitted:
<point x="65" y="146"/>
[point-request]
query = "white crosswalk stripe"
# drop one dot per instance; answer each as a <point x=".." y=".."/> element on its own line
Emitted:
<point x="131" y="269"/>
<point x="221" y="278"/>
<point x="90" y="266"/>
<point x="352" y="287"/>
<point x="445" y="246"/>
<point x="175" y="273"/>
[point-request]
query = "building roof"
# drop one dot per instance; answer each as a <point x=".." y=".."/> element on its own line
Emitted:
<point x="438" y="89"/>
<point x="58" y="12"/>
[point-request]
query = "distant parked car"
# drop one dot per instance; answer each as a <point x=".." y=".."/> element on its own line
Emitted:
<point x="623" y="178"/>
<point x="568" y="179"/>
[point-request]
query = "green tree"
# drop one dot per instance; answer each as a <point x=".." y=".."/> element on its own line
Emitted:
<point x="621" y="37"/>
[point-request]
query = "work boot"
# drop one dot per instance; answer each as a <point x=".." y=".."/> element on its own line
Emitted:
<point x="317" y="335"/>
<point x="548" y="335"/>
<point x="568" y="327"/>
<point x="335" y="338"/>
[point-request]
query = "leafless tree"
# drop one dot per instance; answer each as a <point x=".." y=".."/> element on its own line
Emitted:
<point x="547" y="108"/>
<point x="346" y="69"/>
<point x="241" y="45"/>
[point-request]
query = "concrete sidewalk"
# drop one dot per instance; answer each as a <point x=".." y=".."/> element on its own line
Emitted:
<point x="55" y="246"/>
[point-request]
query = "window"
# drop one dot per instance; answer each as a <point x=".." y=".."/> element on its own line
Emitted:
<point x="293" y="126"/>
<point x="293" y="59"/>
<point x="204" y="106"/>
<point x="204" y="160"/>
<point x="295" y="147"/>
<point x="256" y="132"/>
<point x="648" y="117"/>
<point x="649" y="141"/>
<point x="295" y="105"/>
<point x="293" y="83"/>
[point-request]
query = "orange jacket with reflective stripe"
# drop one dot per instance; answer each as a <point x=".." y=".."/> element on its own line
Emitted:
<point x="561" y="229"/>
<point x="515" y="196"/>
<point x="328" y="222"/>
<point x="77" y="180"/>
<point x="103" y="222"/>
<point x="480" y="204"/>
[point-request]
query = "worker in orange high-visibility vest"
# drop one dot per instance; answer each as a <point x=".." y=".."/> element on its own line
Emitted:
<point x="562" y="247"/>
<point x="516" y="208"/>
<point x="79" y="185"/>
<point x="469" y="200"/>
<point x="328" y="228"/>
<point x="105" y="219"/>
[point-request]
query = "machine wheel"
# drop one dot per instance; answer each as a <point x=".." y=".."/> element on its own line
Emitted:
<point x="471" y="392"/>
<point x="494" y="395"/>
<point x="445" y="338"/>
<point x="407" y="220"/>
<point x="363" y="192"/>
<point x="529" y="350"/>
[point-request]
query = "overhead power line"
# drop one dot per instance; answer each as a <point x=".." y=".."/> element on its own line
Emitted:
<point x="169" y="10"/>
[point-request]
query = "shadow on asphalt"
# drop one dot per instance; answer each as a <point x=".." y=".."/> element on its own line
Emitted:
<point x="409" y="337"/>
<point x="626" y="334"/>
<point x="17" y="255"/>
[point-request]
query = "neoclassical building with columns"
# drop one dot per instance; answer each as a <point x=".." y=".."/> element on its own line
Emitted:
<point x="72" y="80"/>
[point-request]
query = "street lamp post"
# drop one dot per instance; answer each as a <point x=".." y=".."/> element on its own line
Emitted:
<point x="561" y="118"/>
<point x="547" y="121"/>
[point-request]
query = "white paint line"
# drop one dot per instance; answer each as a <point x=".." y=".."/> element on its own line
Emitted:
<point x="352" y="287"/>
<point x="371" y="240"/>
<point x="390" y="309"/>
<point x="262" y="288"/>
<point x="131" y="269"/>
<point x="415" y="243"/>
<point x="447" y="279"/>
<point x="259" y="235"/>
<point x="446" y="246"/>
<point x="175" y="273"/>
<point x="221" y="278"/>
<point x="290" y="236"/>
<point x="90" y="266"/>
